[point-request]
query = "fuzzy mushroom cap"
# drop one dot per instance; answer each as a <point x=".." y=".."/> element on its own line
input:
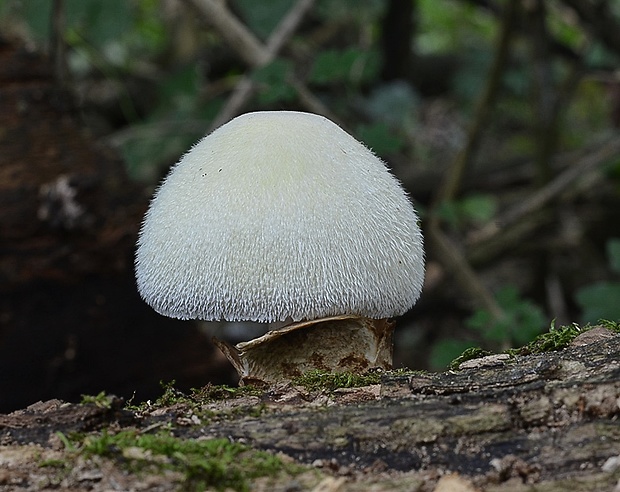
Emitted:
<point x="279" y="215"/>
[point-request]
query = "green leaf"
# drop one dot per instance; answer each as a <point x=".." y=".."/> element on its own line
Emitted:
<point x="350" y="65"/>
<point x="100" y="22"/>
<point x="498" y="331"/>
<point x="522" y="320"/>
<point x="449" y="212"/>
<point x="600" y="300"/>
<point x="37" y="14"/>
<point x="508" y="297"/>
<point x="479" y="208"/>
<point x="613" y="252"/>
<point x="326" y="68"/>
<point x="479" y="320"/>
<point x="186" y="81"/>
<point x="273" y="82"/>
<point x="528" y="320"/>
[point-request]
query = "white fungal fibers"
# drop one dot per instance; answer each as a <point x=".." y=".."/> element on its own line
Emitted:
<point x="280" y="215"/>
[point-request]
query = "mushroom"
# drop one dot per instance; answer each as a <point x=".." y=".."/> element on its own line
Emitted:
<point x="282" y="217"/>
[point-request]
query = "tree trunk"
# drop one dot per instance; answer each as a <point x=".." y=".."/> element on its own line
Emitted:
<point x="71" y="321"/>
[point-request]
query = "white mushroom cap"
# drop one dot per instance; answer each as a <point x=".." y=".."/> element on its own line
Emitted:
<point x="279" y="215"/>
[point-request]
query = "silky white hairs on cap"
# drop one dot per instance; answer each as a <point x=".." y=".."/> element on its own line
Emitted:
<point x="279" y="215"/>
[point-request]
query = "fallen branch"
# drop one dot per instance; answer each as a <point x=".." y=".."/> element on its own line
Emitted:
<point x="455" y="262"/>
<point x="448" y="253"/>
<point x="241" y="39"/>
<point x="454" y="175"/>
<point x="541" y="197"/>
<point x="250" y="49"/>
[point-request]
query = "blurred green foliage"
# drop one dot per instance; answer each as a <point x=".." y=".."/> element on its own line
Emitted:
<point x="523" y="320"/>
<point x="169" y="90"/>
<point x="379" y="138"/>
<point x="120" y="39"/>
<point x="444" y="26"/>
<point x="472" y="210"/>
<point x="263" y="17"/>
<point x="273" y="82"/>
<point x="395" y="103"/>
<point x="601" y="300"/>
<point x="445" y="351"/>
<point x="88" y="17"/>
<point x="118" y="31"/>
<point x="353" y="66"/>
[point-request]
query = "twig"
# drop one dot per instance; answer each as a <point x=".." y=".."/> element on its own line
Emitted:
<point x="599" y="17"/>
<point x="545" y="108"/>
<point x="241" y="39"/>
<point x="454" y="175"/>
<point x="551" y="100"/>
<point x="256" y="54"/>
<point x="240" y="95"/>
<point x="278" y="38"/>
<point x="453" y="260"/>
<point x="312" y="103"/>
<point x="57" y="41"/>
<point x="448" y="253"/>
<point x="287" y="26"/>
<point x="249" y="48"/>
<point x="550" y="103"/>
<point x="541" y="197"/>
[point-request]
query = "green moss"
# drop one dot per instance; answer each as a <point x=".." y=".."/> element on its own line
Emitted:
<point x="65" y="441"/>
<point x="196" y="398"/>
<point x="554" y="339"/>
<point x="171" y="396"/>
<point x="610" y="325"/>
<point x="317" y="380"/>
<point x="559" y="338"/>
<point x="468" y="354"/>
<point x="54" y="463"/>
<point x="217" y="463"/>
<point x="101" y="400"/>
<point x="322" y="380"/>
<point x="247" y="411"/>
<point x="212" y="392"/>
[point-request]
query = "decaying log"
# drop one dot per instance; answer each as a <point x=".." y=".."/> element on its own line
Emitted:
<point x="539" y="417"/>
<point x="537" y="422"/>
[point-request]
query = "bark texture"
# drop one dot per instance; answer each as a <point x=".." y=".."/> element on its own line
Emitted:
<point x="537" y="422"/>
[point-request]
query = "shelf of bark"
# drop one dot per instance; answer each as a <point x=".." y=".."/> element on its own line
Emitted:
<point x="537" y="422"/>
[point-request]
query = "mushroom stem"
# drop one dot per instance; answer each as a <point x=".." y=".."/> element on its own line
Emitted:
<point x="335" y="344"/>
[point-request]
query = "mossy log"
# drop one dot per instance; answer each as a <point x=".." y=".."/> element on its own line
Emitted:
<point x="537" y="422"/>
<point x="545" y="417"/>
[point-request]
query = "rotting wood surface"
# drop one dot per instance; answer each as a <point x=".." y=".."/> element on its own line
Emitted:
<point x="553" y="414"/>
<point x="537" y="422"/>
